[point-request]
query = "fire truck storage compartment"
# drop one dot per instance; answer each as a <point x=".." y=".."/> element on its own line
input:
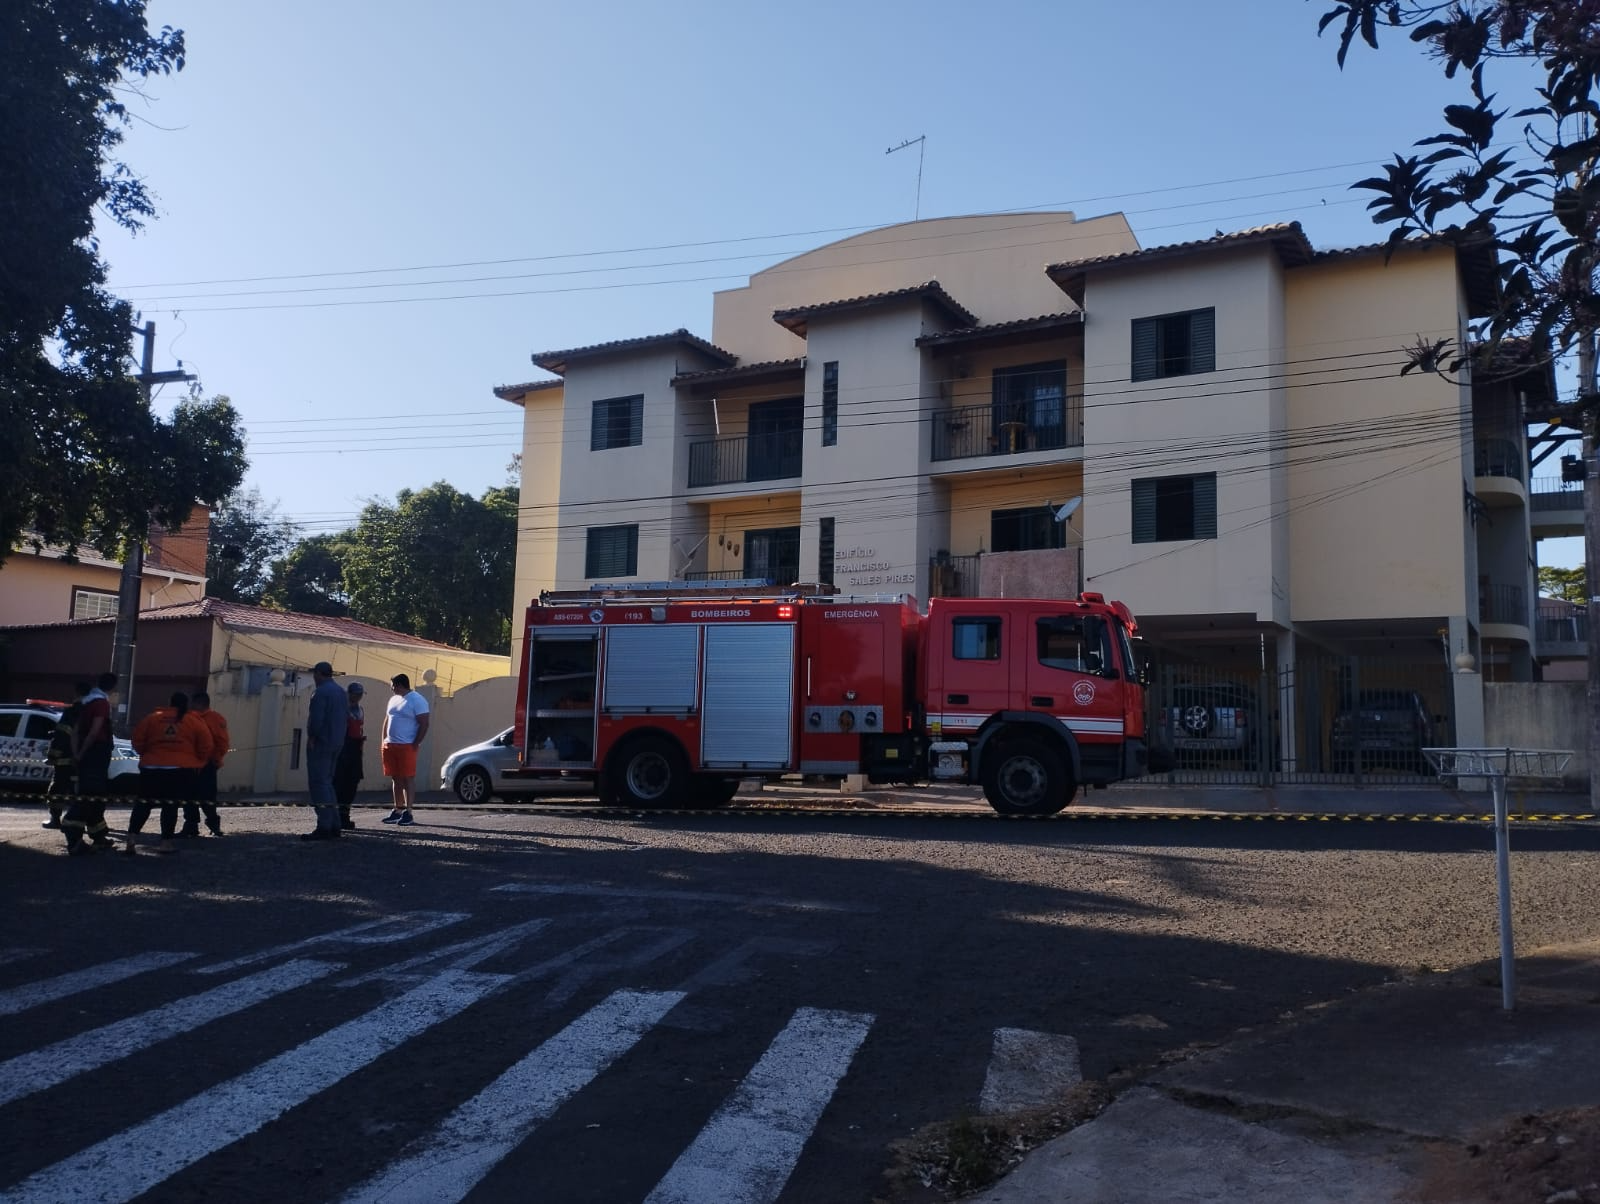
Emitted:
<point x="651" y="670"/>
<point x="561" y="699"/>
<point x="748" y="719"/>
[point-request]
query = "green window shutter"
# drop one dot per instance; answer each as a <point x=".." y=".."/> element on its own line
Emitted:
<point x="1205" y="506"/>
<point x="1203" y="340"/>
<point x="635" y="422"/>
<point x="597" y="425"/>
<point x="1146" y="343"/>
<point x="1144" y="511"/>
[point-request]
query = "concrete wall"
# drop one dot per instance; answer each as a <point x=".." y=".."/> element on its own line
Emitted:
<point x="268" y="727"/>
<point x="1220" y="421"/>
<point x="1048" y="573"/>
<point x="1539" y="714"/>
<point x="1376" y="482"/>
<point x="993" y="265"/>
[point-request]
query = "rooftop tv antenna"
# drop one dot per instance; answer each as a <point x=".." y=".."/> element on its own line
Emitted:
<point x="921" y="143"/>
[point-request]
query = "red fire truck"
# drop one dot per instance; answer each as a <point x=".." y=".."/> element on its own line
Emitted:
<point x="670" y="696"/>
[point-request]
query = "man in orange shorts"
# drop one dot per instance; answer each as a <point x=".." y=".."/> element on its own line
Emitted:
<point x="405" y="723"/>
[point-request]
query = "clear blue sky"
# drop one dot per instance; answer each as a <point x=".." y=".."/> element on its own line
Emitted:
<point x="353" y="138"/>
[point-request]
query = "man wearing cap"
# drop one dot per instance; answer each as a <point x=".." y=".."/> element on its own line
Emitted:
<point x="347" y="772"/>
<point x="325" y="728"/>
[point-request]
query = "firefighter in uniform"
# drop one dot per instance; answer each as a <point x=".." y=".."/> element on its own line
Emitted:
<point x="347" y="770"/>
<point x="63" y="766"/>
<point x="173" y="744"/>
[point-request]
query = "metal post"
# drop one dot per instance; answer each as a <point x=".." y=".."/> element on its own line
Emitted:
<point x="1502" y="857"/>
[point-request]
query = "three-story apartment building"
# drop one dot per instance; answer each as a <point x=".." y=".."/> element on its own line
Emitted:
<point x="1216" y="432"/>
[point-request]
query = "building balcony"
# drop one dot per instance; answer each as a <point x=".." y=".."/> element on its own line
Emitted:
<point x="1556" y="507"/>
<point x="745" y="458"/>
<point x="1008" y="430"/>
<point x="1561" y="636"/>
<point x="1503" y="612"/>
<point x="1499" y="470"/>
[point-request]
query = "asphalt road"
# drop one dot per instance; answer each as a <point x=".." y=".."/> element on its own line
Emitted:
<point x="748" y="1007"/>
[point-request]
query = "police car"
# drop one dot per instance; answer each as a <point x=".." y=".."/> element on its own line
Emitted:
<point x="26" y="729"/>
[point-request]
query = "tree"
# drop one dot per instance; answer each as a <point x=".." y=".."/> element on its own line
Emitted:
<point x="1566" y="584"/>
<point x="437" y="563"/>
<point x="84" y="457"/>
<point x="246" y="537"/>
<point x="310" y="579"/>
<point x="1539" y="212"/>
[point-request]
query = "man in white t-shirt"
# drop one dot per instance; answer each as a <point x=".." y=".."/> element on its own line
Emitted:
<point x="405" y="723"/>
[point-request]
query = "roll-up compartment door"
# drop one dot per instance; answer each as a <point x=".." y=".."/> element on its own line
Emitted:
<point x="651" y="670"/>
<point x="748" y="720"/>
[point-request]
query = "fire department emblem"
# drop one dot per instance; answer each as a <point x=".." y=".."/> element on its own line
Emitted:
<point x="597" y="616"/>
<point x="1083" y="693"/>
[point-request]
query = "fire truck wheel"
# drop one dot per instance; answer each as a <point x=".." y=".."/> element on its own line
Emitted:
<point x="649" y="771"/>
<point x="1026" y="777"/>
<point x="705" y="791"/>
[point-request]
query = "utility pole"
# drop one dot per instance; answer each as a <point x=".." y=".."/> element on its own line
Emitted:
<point x="126" y="637"/>
<point x="1591" y="550"/>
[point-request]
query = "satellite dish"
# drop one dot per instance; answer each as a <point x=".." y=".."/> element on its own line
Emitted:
<point x="1067" y="511"/>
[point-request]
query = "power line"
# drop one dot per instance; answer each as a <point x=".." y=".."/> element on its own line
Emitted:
<point x="735" y="241"/>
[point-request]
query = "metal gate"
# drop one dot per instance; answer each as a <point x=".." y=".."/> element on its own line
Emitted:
<point x="1335" y="720"/>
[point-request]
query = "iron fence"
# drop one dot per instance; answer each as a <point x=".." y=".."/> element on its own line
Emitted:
<point x="1335" y="720"/>
<point x="1044" y="424"/>
<point x="1498" y="458"/>
<point x="742" y="458"/>
<point x="1552" y="493"/>
<point x="953" y="576"/>
<point x="1502" y="603"/>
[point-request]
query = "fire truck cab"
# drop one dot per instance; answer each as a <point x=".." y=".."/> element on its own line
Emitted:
<point x="669" y="696"/>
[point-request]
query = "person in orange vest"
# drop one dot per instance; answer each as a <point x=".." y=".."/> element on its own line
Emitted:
<point x="206" y="781"/>
<point x="173" y="744"/>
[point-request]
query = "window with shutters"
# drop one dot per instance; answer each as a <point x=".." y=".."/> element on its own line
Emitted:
<point x="1175" y="508"/>
<point x="1027" y="530"/>
<point x="830" y="403"/>
<point x="612" y="552"/>
<point x="1175" y="344"/>
<point x="617" y="422"/>
<point x="825" y="551"/>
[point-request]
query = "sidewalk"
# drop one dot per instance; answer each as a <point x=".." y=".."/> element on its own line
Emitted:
<point x="1412" y="1091"/>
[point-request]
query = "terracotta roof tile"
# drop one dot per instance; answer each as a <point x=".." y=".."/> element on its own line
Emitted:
<point x="239" y="616"/>
<point x="742" y="372"/>
<point x="1286" y="237"/>
<point x="796" y="318"/>
<point x="557" y="361"/>
<point x="968" y="334"/>
<point x="517" y="392"/>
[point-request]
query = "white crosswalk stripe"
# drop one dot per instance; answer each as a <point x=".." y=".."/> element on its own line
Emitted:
<point x="745" y="1153"/>
<point x="135" y="1160"/>
<point x="449" y="1162"/>
<point x="748" y="1150"/>
<point x="55" y="1064"/>
<point x="32" y="995"/>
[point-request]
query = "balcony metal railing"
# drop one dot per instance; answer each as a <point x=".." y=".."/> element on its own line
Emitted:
<point x="1501" y="603"/>
<point x="1498" y="458"/>
<point x="1563" y="629"/>
<point x="1010" y="429"/>
<point x="733" y="461"/>
<point x="953" y="576"/>
<point x="1552" y="493"/>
